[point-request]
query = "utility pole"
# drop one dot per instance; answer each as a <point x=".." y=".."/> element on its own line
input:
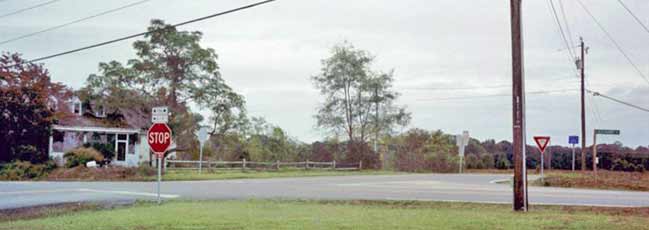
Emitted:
<point x="518" y="100"/>
<point x="581" y="65"/>
<point x="376" y="126"/>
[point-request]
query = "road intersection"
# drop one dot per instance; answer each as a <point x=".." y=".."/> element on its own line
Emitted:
<point x="422" y="187"/>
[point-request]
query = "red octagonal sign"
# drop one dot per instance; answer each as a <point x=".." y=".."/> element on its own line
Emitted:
<point x="159" y="138"/>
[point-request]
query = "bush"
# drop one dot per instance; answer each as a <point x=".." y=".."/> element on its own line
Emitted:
<point x="488" y="161"/>
<point x="145" y="170"/>
<point x="25" y="170"/>
<point x="106" y="149"/>
<point x="473" y="162"/>
<point x="624" y="165"/>
<point x="81" y="156"/>
<point x="29" y="153"/>
<point x="503" y="162"/>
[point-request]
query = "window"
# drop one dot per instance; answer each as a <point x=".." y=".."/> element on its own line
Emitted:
<point x="78" y="108"/>
<point x="101" y="112"/>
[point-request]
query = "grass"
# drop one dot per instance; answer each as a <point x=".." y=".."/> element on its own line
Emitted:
<point x="179" y="175"/>
<point x="269" y="214"/>
<point x="603" y="179"/>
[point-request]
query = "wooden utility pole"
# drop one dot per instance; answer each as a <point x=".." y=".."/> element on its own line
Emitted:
<point x="518" y="99"/>
<point x="594" y="150"/>
<point x="582" y="63"/>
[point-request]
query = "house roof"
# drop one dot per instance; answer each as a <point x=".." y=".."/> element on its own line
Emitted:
<point x="123" y="118"/>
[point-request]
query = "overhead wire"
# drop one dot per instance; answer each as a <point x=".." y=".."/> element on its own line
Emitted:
<point x="563" y="35"/>
<point x="617" y="45"/>
<point x="73" y="22"/>
<point x="598" y="94"/>
<point x="634" y="16"/>
<point x="540" y="92"/>
<point x="145" y="33"/>
<point x="28" y="8"/>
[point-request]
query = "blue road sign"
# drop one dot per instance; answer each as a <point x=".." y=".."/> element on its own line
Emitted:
<point x="573" y="140"/>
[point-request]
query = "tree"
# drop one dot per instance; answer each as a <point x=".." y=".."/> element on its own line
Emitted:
<point x="28" y="108"/>
<point x="352" y="93"/>
<point x="172" y="65"/>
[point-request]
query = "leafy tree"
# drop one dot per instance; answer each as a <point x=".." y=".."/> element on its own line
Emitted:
<point x="172" y="65"/>
<point x="28" y="100"/>
<point x="352" y="91"/>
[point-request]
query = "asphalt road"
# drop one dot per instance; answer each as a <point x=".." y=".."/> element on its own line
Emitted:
<point x="425" y="187"/>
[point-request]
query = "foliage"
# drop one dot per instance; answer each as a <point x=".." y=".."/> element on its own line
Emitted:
<point x="472" y="161"/>
<point x="487" y="161"/>
<point x="27" y="99"/>
<point x="352" y="92"/>
<point x="422" y="151"/>
<point x="107" y="150"/>
<point x="171" y="65"/>
<point x="81" y="156"/>
<point x="28" y="153"/>
<point x="25" y="170"/>
<point x="623" y="165"/>
<point x="502" y="162"/>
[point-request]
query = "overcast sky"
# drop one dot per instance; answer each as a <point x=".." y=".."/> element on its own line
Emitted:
<point x="269" y="54"/>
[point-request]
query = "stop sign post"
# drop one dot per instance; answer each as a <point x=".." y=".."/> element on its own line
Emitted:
<point x="159" y="138"/>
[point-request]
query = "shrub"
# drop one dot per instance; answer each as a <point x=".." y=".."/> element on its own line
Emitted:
<point x="81" y="156"/>
<point x="488" y="161"/>
<point x="106" y="149"/>
<point x="29" y="153"/>
<point x="25" y="170"/>
<point x="145" y="170"/>
<point x="473" y="162"/>
<point x="503" y="162"/>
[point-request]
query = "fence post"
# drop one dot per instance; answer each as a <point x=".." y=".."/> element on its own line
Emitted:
<point x="306" y="165"/>
<point x="360" y="165"/>
<point x="277" y="165"/>
<point x="333" y="165"/>
<point x="243" y="165"/>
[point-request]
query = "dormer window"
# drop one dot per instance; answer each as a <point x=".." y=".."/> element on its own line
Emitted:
<point x="101" y="111"/>
<point x="78" y="108"/>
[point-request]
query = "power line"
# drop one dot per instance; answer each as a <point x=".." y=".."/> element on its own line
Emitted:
<point x="597" y="94"/>
<point x="148" y="32"/>
<point x="498" y="95"/>
<point x="461" y="88"/>
<point x="563" y="35"/>
<point x="73" y="22"/>
<point x="565" y="20"/>
<point x="634" y="16"/>
<point x="617" y="45"/>
<point x="28" y="8"/>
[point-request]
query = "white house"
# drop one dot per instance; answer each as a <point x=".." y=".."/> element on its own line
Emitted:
<point x="122" y="130"/>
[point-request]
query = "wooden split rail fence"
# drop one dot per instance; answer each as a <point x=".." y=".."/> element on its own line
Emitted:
<point x="255" y="165"/>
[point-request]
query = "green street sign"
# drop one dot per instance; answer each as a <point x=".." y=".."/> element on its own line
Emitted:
<point x="607" y="132"/>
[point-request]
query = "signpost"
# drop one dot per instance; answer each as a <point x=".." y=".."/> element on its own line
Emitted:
<point x="462" y="141"/>
<point x="202" y="137"/>
<point x="159" y="138"/>
<point x="600" y="132"/>
<point x="573" y="140"/>
<point x="542" y="142"/>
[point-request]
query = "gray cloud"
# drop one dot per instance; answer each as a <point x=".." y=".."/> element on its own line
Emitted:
<point x="269" y="53"/>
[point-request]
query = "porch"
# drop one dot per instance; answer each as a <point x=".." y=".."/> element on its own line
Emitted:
<point x="124" y="144"/>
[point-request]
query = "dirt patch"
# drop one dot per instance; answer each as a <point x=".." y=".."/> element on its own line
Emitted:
<point x="603" y="179"/>
<point x="44" y="211"/>
<point x="639" y="212"/>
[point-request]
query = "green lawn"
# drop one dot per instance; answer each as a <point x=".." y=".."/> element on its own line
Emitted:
<point x="175" y="175"/>
<point x="266" y="214"/>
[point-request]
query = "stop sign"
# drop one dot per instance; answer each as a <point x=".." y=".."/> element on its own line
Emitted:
<point x="159" y="138"/>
